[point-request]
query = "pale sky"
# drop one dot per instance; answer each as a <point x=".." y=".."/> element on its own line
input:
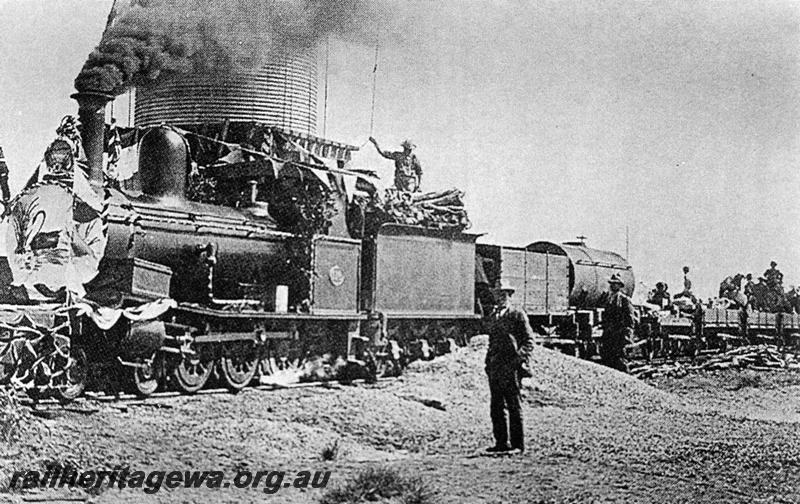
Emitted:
<point x="680" y="120"/>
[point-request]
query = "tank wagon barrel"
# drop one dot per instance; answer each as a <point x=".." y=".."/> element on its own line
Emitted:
<point x="589" y="271"/>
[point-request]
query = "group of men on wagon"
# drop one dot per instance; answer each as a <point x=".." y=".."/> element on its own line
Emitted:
<point x="739" y="288"/>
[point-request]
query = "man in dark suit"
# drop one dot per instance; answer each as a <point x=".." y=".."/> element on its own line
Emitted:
<point x="510" y="344"/>
<point x="618" y="322"/>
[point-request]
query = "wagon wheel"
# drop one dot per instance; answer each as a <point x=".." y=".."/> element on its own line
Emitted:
<point x="238" y="365"/>
<point x="192" y="373"/>
<point x="145" y="380"/>
<point x="71" y="384"/>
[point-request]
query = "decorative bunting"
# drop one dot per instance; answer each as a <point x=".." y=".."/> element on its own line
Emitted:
<point x="350" y="182"/>
<point x="322" y="175"/>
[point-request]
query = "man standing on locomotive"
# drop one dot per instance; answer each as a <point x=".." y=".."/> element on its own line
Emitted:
<point x="618" y="322"/>
<point x="407" y="169"/>
<point x="510" y="344"/>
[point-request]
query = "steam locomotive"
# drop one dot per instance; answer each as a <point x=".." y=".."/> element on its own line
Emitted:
<point x="174" y="291"/>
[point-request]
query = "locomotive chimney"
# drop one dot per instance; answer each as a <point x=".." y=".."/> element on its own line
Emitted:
<point x="92" y="114"/>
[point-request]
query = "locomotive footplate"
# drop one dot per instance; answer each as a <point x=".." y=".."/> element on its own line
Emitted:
<point x="262" y="315"/>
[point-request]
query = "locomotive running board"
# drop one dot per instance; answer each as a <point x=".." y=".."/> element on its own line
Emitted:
<point x="260" y="315"/>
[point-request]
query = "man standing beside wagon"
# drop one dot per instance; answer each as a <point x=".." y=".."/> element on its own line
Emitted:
<point x="510" y="345"/>
<point x="619" y="319"/>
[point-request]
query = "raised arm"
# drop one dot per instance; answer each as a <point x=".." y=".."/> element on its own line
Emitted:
<point x="385" y="154"/>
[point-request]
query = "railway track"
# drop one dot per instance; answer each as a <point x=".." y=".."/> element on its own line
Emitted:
<point x="160" y="397"/>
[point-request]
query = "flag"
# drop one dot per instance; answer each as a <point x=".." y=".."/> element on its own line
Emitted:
<point x="128" y="162"/>
<point x="234" y="156"/>
<point x="114" y="142"/>
<point x="322" y="175"/>
<point x="277" y="166"/>
<point x="114" y="150"/>
<point x="328" y="163"/>
<point x="267" y="144"/>
<point x="350" y="182"/>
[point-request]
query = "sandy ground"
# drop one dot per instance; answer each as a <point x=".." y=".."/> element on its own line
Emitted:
<point x="593" y="435"/>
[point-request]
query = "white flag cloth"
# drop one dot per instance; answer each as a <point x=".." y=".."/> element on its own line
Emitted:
<point x="128" y="163"/>
<point x="350" y="182"/>
<point x="322" y="175"/>
<point x="105" y="317"/>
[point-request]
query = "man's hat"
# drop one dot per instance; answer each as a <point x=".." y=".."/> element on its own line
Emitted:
<point x="505" y="285"/>
<point x="408" y="143"/>
<point x="773" y="264"/>
<point x="615" y="279"/>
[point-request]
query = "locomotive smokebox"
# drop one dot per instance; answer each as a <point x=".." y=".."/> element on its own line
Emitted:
<point x="163" y="164"/>
<point x="92" y="114"/>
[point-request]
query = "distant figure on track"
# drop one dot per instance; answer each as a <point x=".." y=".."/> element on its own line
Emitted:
<point x="687" y="287"/>
<point x="660" y="296"/>
<point x="748" y="287"/>
<point x="407" y="170"/>
<point x="510" y="344"/>
<point x="774" y="277"/>
<point x="618" y="322"/>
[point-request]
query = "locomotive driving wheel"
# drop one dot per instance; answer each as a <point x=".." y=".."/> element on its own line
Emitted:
<point x="238" y="365"/>
<point x="145" y="379"/>
<point x="192" y="373"/>
<point x="71" y="383"/>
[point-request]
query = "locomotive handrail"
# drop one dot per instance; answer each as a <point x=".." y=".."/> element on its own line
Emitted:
<point x="602" y="264"/>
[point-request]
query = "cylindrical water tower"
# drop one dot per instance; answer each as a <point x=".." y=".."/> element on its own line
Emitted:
<point x="281" y="93"/>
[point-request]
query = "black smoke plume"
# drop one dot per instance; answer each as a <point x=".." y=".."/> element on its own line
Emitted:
<point x="149" y="40"/>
